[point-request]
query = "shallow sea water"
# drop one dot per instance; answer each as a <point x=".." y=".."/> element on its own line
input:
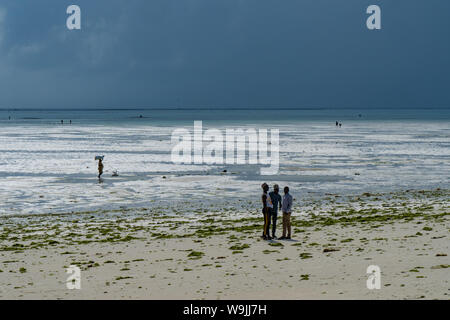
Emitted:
<point x="46" y="167"/>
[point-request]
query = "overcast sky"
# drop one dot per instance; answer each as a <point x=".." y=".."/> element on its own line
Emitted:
<point x="147" y="53"/>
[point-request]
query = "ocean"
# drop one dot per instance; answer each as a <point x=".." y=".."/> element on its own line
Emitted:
<point x="49" y="167"/>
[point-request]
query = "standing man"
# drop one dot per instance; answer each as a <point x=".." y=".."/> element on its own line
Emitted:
<point x="267" y="208"/>
<point x="276" y="201"/>
<point x="287" y="210"/>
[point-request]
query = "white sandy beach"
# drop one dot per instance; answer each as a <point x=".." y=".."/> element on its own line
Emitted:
<point x="153" y="255"/>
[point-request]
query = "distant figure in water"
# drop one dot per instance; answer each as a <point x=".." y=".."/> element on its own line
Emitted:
<point x="100" y="167"/>
<point x="70" y="122"/>
<point x="9" y="118"/>
<point x="62" y="121"/>
<point x="337" y="123"/>
<point x="140" y="116"/>
<point x="340" y="125"/>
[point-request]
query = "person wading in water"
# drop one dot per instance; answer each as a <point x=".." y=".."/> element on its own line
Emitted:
<point x="100" y="167"/>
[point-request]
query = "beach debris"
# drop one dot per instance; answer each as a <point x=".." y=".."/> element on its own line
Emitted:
<point x="330" y="249"/>
<point x="115" y="173"/>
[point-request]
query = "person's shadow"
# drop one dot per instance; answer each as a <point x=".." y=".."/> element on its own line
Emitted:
<point x="282" y="240"/>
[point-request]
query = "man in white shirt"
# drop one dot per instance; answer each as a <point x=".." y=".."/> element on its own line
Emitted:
<point x="286" y="207"/>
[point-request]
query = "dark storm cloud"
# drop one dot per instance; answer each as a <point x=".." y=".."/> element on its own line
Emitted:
<point x="224" y="53"/>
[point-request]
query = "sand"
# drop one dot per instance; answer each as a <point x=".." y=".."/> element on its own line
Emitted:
<point x="218" y="254"/>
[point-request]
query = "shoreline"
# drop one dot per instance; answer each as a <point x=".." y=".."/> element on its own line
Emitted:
<point x="217" y="253"/>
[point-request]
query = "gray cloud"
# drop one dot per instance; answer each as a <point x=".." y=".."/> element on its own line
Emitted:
<point x="224" y="53"/>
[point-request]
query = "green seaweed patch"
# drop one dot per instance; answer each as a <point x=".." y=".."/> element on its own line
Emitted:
<point x="305" y="255"/>
<point x="441" y="266"/>
<point x="270" y="251"/>
<point x="194" y="255"/>
<point x="276" y="244"/>
<point x="284" y="259"/>
<point x="239" y="247"/>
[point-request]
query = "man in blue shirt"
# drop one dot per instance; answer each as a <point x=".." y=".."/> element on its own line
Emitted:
<point x="276" y="201"/>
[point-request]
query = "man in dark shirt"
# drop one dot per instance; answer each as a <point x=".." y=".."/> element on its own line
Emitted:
<point x="276" y="201"/>
<point x="267" y="209"/>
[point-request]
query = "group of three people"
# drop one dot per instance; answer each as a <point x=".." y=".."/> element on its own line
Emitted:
<point x="271" y="203"/>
